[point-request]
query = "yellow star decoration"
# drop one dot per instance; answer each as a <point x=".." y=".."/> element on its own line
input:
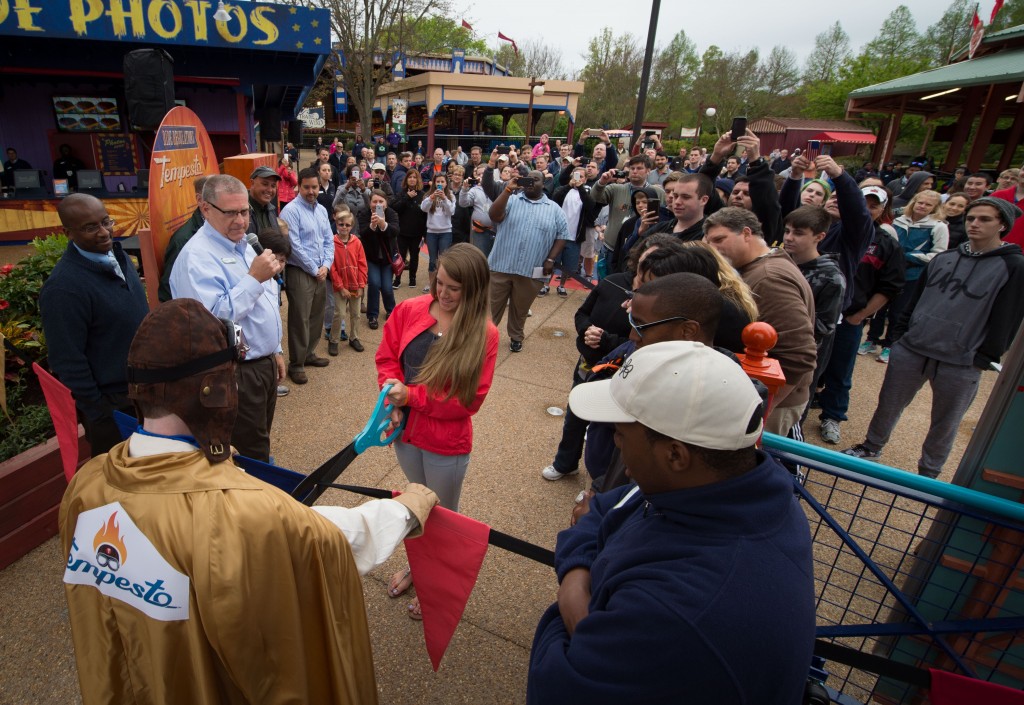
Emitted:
<point x="298" y="45"/>
<point x="315" y="23"/>
<point x="292" y="10"/>
<point x="296" y="28"/>
<point x="317" y="41"/>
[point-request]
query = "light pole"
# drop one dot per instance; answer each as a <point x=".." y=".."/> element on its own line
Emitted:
<point x="536" y="90"/>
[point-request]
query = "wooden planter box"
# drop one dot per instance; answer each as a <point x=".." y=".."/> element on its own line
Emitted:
<point x="31" y="487"/>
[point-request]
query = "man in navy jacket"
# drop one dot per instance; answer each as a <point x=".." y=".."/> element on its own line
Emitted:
<point x="91" y="306"/>
<point x="693" y="585"/>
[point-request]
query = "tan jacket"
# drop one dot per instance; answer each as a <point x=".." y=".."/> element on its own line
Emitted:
<point x="192" y="583"/>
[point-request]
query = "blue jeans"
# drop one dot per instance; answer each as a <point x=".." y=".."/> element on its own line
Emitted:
<point x="837" y="378"/>
<point x="379" y="284"/>
<point x="569" y="260"/>
<point x="483" y="241"/>
<point x="437" y="243"/>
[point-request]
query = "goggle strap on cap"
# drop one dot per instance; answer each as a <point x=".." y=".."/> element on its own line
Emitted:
<point x="186" y="369"/>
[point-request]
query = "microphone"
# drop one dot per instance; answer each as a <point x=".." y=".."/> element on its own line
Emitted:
<point x="255" y="242"/>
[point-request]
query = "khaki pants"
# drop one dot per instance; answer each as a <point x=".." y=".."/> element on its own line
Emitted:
<point x="344" y="305"/>
<point x="518" y="293"/>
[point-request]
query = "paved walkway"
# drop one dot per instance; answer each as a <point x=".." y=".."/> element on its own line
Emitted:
<point x="514" y="438"/>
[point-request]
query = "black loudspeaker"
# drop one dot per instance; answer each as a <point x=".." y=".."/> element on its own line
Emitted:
<point x="270" y="124"/>
<point x="148" y="87"/>
<point x="295" y="132"/>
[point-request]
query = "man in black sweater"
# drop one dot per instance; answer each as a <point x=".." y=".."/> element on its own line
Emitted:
<point x="91" y="306"/>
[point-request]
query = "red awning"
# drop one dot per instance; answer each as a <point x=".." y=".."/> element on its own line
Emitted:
<point x="845" y="137"/>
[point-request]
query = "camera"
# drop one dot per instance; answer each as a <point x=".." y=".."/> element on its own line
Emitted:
<point x="621" y="174"/>
<point x="584" y="161"/>
<point x="376" y="183"/>
<point x="525" y="181"/>
<point x="472" y="182"/>
<point x="502" y="149"/>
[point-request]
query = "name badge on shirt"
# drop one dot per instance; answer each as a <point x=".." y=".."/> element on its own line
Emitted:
<point x="228" y="260"/>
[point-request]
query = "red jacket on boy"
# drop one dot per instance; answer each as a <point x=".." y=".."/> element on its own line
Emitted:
<point x="348" y="271"/>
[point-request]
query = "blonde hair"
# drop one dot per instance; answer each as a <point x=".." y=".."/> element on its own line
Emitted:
<point x="908" y="209"/>
<point x="454" y="363"/>
<point x="730" y="283"/>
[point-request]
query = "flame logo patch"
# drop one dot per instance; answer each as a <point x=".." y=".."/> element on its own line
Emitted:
<point x="109" y="545"/>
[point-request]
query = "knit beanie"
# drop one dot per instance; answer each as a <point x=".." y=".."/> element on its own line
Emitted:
<point x="726" y="185"/>
<point x="1008" y="212"/>
<point x="821" y="182"/>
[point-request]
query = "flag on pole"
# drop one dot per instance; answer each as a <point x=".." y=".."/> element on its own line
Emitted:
<point x="995" y="10"/>
<point x="467" y="25"/>
<point x="512" y="41"/>
<point x="977" y="32"/>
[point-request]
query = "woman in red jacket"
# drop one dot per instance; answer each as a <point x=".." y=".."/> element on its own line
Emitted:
<point x="438" y="351"/>
<point x="289" y="180"/>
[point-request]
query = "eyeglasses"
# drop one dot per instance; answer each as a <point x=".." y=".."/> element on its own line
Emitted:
<point x="641" y="327"/>
<point x="231" y="214"/>
<point x="94" y="228"/>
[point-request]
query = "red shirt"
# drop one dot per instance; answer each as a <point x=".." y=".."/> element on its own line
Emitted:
<point x="1016" y="234"/>
<point x="438" y="425"/>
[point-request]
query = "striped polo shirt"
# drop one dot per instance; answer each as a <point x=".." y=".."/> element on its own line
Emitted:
<point x="524" y="238"/>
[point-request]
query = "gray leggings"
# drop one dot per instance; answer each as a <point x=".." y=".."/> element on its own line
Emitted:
<point x="442" y="473"/>
<point x="953" y="389"/>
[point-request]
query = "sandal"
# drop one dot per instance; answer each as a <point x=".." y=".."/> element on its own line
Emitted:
<point x="400" y="583"/>
<point x="414" y="610"/>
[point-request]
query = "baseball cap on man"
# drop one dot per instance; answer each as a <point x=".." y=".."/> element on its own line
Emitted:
<point x="876" y="191"/>
<point x="681" y="389"/>
<point x="378" y="167"/>
<point x="264" y="172"/>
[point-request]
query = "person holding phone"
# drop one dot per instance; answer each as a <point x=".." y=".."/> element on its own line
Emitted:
<point x="289" y="180"/>
<point x="438" y="353"/>
<point x="439" y="205"/>
<point x="412" y="223"/>
<point x="531" y="232"/>
<point x="380" y="243"/>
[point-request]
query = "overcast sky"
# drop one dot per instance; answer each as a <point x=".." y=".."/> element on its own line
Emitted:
<point x="737" y="25"/>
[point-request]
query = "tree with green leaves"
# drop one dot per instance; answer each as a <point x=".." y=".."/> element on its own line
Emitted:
<point x="674" y="70"/>
<point x="612" y="75"/>
<point x="729" y="82"/>
<point x="367" y="29"/>
<point x="950" y="34"/>
<point x="831" y="49"/>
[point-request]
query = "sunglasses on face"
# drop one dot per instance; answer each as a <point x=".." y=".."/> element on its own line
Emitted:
<point x="641" y="327"/>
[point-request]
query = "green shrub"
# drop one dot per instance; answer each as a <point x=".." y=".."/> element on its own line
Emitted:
<point x="27" y="422"/>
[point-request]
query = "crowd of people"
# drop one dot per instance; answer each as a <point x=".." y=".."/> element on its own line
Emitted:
<point x="688" y="539"/>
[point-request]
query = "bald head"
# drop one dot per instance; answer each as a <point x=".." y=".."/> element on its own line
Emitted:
<point x="688" y="295"/>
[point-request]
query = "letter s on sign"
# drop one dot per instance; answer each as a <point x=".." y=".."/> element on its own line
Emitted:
<point x="263" y="23"/>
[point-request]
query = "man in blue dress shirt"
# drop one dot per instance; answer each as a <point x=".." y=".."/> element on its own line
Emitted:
<point x="309" y="229"/>
<point x="219" y="269"/>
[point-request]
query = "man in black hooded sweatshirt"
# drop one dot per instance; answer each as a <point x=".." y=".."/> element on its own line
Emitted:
<point x="964" y="314"/>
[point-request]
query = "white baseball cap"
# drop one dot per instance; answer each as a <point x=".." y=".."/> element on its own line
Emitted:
<point x="681" y="389"/>
<point x="876" y="191"/>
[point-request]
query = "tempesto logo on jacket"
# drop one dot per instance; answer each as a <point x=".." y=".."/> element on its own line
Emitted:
<point x="109" y="551"/>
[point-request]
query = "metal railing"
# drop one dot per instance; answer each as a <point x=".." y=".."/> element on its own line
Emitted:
<point x="917" y="571"/>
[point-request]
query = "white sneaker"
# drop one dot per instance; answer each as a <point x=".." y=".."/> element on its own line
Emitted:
<point x="549" y="473"/>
